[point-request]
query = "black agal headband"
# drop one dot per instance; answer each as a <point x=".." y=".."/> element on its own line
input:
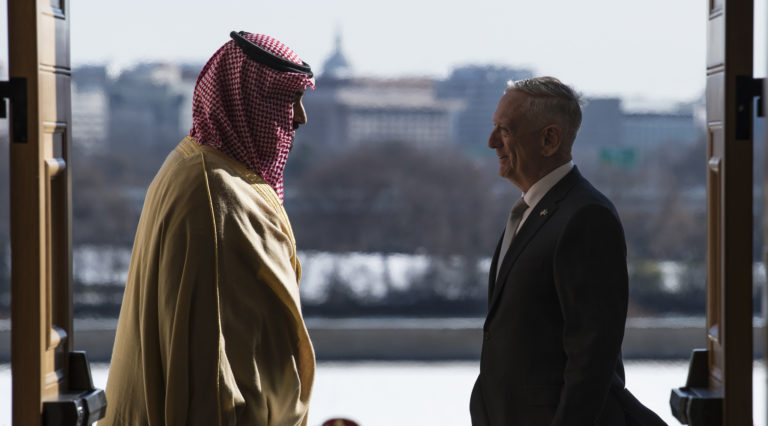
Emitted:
<point x="266" y="58"/>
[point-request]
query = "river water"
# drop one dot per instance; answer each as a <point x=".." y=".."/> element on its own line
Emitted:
<point x="433" y="393"/>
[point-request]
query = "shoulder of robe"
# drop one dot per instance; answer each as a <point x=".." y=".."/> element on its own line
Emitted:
<point x="181" y="183"/>
<point x="236" y="190"/>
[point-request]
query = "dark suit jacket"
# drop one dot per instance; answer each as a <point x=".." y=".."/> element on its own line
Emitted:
<point x="552" y="337"/>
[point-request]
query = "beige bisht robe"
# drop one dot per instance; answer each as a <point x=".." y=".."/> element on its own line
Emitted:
<point x="211" y="330"/>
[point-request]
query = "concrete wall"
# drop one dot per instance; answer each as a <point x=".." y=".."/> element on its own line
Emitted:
<point x="424" y="339"/>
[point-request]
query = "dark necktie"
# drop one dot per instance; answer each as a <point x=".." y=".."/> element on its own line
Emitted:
<point x="515" y="216"/>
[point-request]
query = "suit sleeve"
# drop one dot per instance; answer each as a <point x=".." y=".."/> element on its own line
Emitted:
<point x="591" y="280"/>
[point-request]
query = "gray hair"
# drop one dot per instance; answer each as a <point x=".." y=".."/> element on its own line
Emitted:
<point x="552" y="101"/>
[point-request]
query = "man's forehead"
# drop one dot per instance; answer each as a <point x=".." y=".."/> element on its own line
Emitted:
<point x="514" y="98"/>
<point x="511" y="104"/>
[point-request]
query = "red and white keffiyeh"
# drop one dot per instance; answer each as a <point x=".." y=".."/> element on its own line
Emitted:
<point x="245" y="109"/>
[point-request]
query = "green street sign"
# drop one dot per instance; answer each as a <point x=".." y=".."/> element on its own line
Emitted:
<point x="621" y="157"/>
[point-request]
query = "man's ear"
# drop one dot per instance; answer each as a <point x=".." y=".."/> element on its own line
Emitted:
<point x="552" y="138"/>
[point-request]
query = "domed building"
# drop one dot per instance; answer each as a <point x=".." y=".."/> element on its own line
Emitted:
<point x="337" y="66"/>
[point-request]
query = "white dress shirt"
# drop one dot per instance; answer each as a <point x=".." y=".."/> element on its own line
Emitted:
<point x="538" y="190"/>
<point x="535" y="193"/>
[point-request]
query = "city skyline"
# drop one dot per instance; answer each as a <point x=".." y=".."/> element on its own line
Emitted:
<point x="653" y="50"/>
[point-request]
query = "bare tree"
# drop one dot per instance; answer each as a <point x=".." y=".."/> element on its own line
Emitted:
<point x="390" y="197"/>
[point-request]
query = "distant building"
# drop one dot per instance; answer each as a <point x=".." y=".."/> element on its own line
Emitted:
<point x="600" y="135"/>
<point x="337" y="66"/>
<point x="612" y="137"/>
<point x="654" y="130"/>
<point x="478" y="88"/>
<point x="189" y="73"/>
<point x="90" y="108"/>
<point x="148" y="109"/>
<point x="348" y="112"/>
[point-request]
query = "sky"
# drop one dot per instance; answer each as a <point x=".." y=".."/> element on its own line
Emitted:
<point x="654" y="49"/>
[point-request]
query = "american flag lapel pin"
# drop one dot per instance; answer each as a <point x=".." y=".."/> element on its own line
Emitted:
<point x="544" y="212"/>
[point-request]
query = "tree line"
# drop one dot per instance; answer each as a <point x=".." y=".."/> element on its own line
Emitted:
<point x="392" y="197"/>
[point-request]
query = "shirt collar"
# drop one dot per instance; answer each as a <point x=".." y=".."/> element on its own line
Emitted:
<point x="538" y="190"/>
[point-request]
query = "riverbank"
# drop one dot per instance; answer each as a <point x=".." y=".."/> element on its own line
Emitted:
<point x="423" y="339"/>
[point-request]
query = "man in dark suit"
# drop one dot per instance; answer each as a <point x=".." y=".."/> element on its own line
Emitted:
<point x="557" y="293"/>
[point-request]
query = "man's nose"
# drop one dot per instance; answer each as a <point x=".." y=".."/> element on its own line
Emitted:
<point x="493" y="139"/>
<point x="299" y="114"/>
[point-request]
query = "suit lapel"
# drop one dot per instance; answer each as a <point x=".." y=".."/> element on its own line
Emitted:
<point x="541" y="213"/>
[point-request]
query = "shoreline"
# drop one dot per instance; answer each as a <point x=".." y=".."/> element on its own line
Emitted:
<point x="424" y="339"/>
